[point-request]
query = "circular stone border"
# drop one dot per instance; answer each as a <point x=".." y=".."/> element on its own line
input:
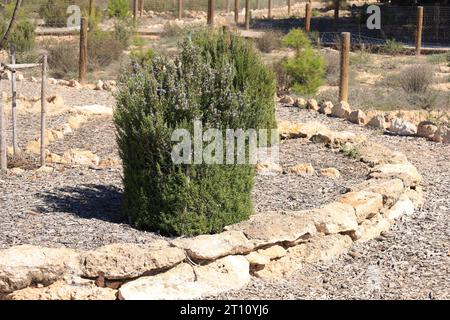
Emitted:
<point x="268" y="245"/>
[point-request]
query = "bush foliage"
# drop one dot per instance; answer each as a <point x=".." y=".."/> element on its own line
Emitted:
<point x="216" y="79"/>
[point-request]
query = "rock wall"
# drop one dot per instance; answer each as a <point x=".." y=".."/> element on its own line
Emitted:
<point x="268" y="245"/>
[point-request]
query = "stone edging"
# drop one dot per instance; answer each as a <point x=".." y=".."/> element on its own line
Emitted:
<point x="403" y="123"/>
<point x="267" y="245"/>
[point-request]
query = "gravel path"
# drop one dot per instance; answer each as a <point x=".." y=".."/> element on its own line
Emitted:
<point x="411" y="261"/>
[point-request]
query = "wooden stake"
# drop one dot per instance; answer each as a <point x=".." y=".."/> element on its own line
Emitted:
<point x="83" y="50"/>
<point x="3" y="158"/>
<point x="269" y="14"/>
<point x="228" y="6"/>
<point x="289" y="7"/>
<point x="135" y="10"/>
<point x="43" y="109"/>
<point x="236" y="11"/>
<point x="180" y="9"/>
<point x="14" y="100"/>
<point x="345" y="61"/>
<point x="211" y="12"/>
<point x="91" y="7"/>
<point x="308" y="17"/>
<point x="419" y="30"/>
<point x="141" y="7"/>
<point x="247" y="14"/>
<point x="336" y="9"/>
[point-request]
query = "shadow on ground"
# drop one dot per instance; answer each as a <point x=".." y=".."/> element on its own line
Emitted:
<point x="90" y="201"/>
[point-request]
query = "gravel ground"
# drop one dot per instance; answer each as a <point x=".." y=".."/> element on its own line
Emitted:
<point x="411" y="261"/>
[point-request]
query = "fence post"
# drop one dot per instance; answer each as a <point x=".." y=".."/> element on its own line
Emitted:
<point x="308" y="17"/>
<point x="236" y="11"/>
<point x="228" y="6"/>
<point x="211" y="12"/>
<point x="419" y="30"/>
<point x="43" y="108"/>
<point x="180" y="9"/>
<point x="289" y="7"/>
<point x="141" y="8"/>
<point x="345" y="60"/>
<point x="269" y="14"/>
<point x="3" y="159"/>
<point x="14" y="100"/>
<point x="135" y="10"/>
<point x="336" y="9"/>
<point x="258" y="5"/>
<point x="247" y="14"/>
<point x="83" y="50"/>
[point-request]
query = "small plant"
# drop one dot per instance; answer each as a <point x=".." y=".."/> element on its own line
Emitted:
<point x="416" y="79"/>
<point x="350" y="151"/>
<point x="124" y="30"/>
<point x="307" y="69"/>
<point x="270" y="41"/>
<point x="119" y="9"/>
<point x="142" y="57"/>
<point x="22" y="36"/>
<point x="333" y="65"/>
<point x="392" y="47"/>
<point x="62" y="59"/>
<point x="104" y="48"/>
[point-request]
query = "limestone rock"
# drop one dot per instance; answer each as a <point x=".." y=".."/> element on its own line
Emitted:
<point x="300" y="103"/>
<point x="95" y="109"/>
<point x="302" y="169"/>
<point x="269" y="168"/>
<point x="405" y="171"/>
<point x="390" y="189"/>
<point x="75" y="84"/>
<point x="287" y="100"/>
<point x="52" y="81"/>
<point x="403" y="127"/>
<point x="45" y="169"/>
<point x="366" y="204"/>
<point x="273" y="252"/>
<point x="125" y="261"/>
<point x="289" y="130"/>
<point x="33" y="147"/>
<point x="426" y="129"/>
<point x="81" y="157"/>
<point x="332" y="173"/>
<point x="416" y="196"/>
<point x="378" y="121"/>
<point x="442" y="135"/>
<point x="321" y="248"/>
<point x="109" y="163"/>
<point x="76" y="121"/>
<point x="357" y="117"/>
<point x="99" y="85"/>
<point x="312" y="104"/>
<point x="271" y="228"/>
<point x="335" y="218"/>
<point x="25" y="265"/>
<point x="309" y="129"/>
<point x="404" y="206"/>
<point x="61" y="290"/>
<point x="186" y="282"/>
<point x="257" y="259"/>
<point x="211" y="247"/>
<point x="341" y="110"/>
<point x="16" y="171"/>
<point x="326" y="108"/>
<point x="374" y="154"/>
<point x="371" y="228"/>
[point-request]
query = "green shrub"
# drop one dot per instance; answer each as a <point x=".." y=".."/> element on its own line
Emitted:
<point x="22" y="36"/>
<point x="142" y="57"/>
<point x="416" y="79"/>
<point x="119" y="9"/>
<point x="124" y="30"/>
<point x="270" y="41"/>
<point x="200" y="83"/>
<point x="62" y="59"/>
<point x="103" y="49"/>
<point x="307" y="69"/>
<point x="392" y="47"/>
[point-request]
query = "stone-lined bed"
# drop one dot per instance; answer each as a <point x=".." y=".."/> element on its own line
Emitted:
<point x="269" y="244"/>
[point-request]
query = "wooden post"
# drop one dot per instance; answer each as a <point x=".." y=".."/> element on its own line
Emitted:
<point x="14" y="100"/>
<point x="135" y="10"/>
<point x="419" y="30"/>
<point x="211" y="12"/>
<point x="141" y="8"/>
<point x="289" y="7"/>
<point x="236" y="11"/>
<point x="308" y="17"/>
<point x="336" y="9"/>
<point x="180" y="9"/>
<point x="269" y="14"/>
<point x="247" y="14"/>
<point x="43" y="109"/>
<point x="258" y="4"/>
<point x="228" y="6"/>
<point x="91" y="7"/>
<point x="3" y="158"/>
<point x="345" y="61"/>
<point x="83" y="50"/>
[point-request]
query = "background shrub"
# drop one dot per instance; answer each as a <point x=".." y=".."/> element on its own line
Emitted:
<point x="103" y="49"/>
<point x="22" y="36"/>
<point x="270" y="41"/>
<point x="307" y="68"/>
<point x="392" y="47"/>
<point x="416" y="79"/>
<point x="119" y="9"/>
<point x="197" y="84"/>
